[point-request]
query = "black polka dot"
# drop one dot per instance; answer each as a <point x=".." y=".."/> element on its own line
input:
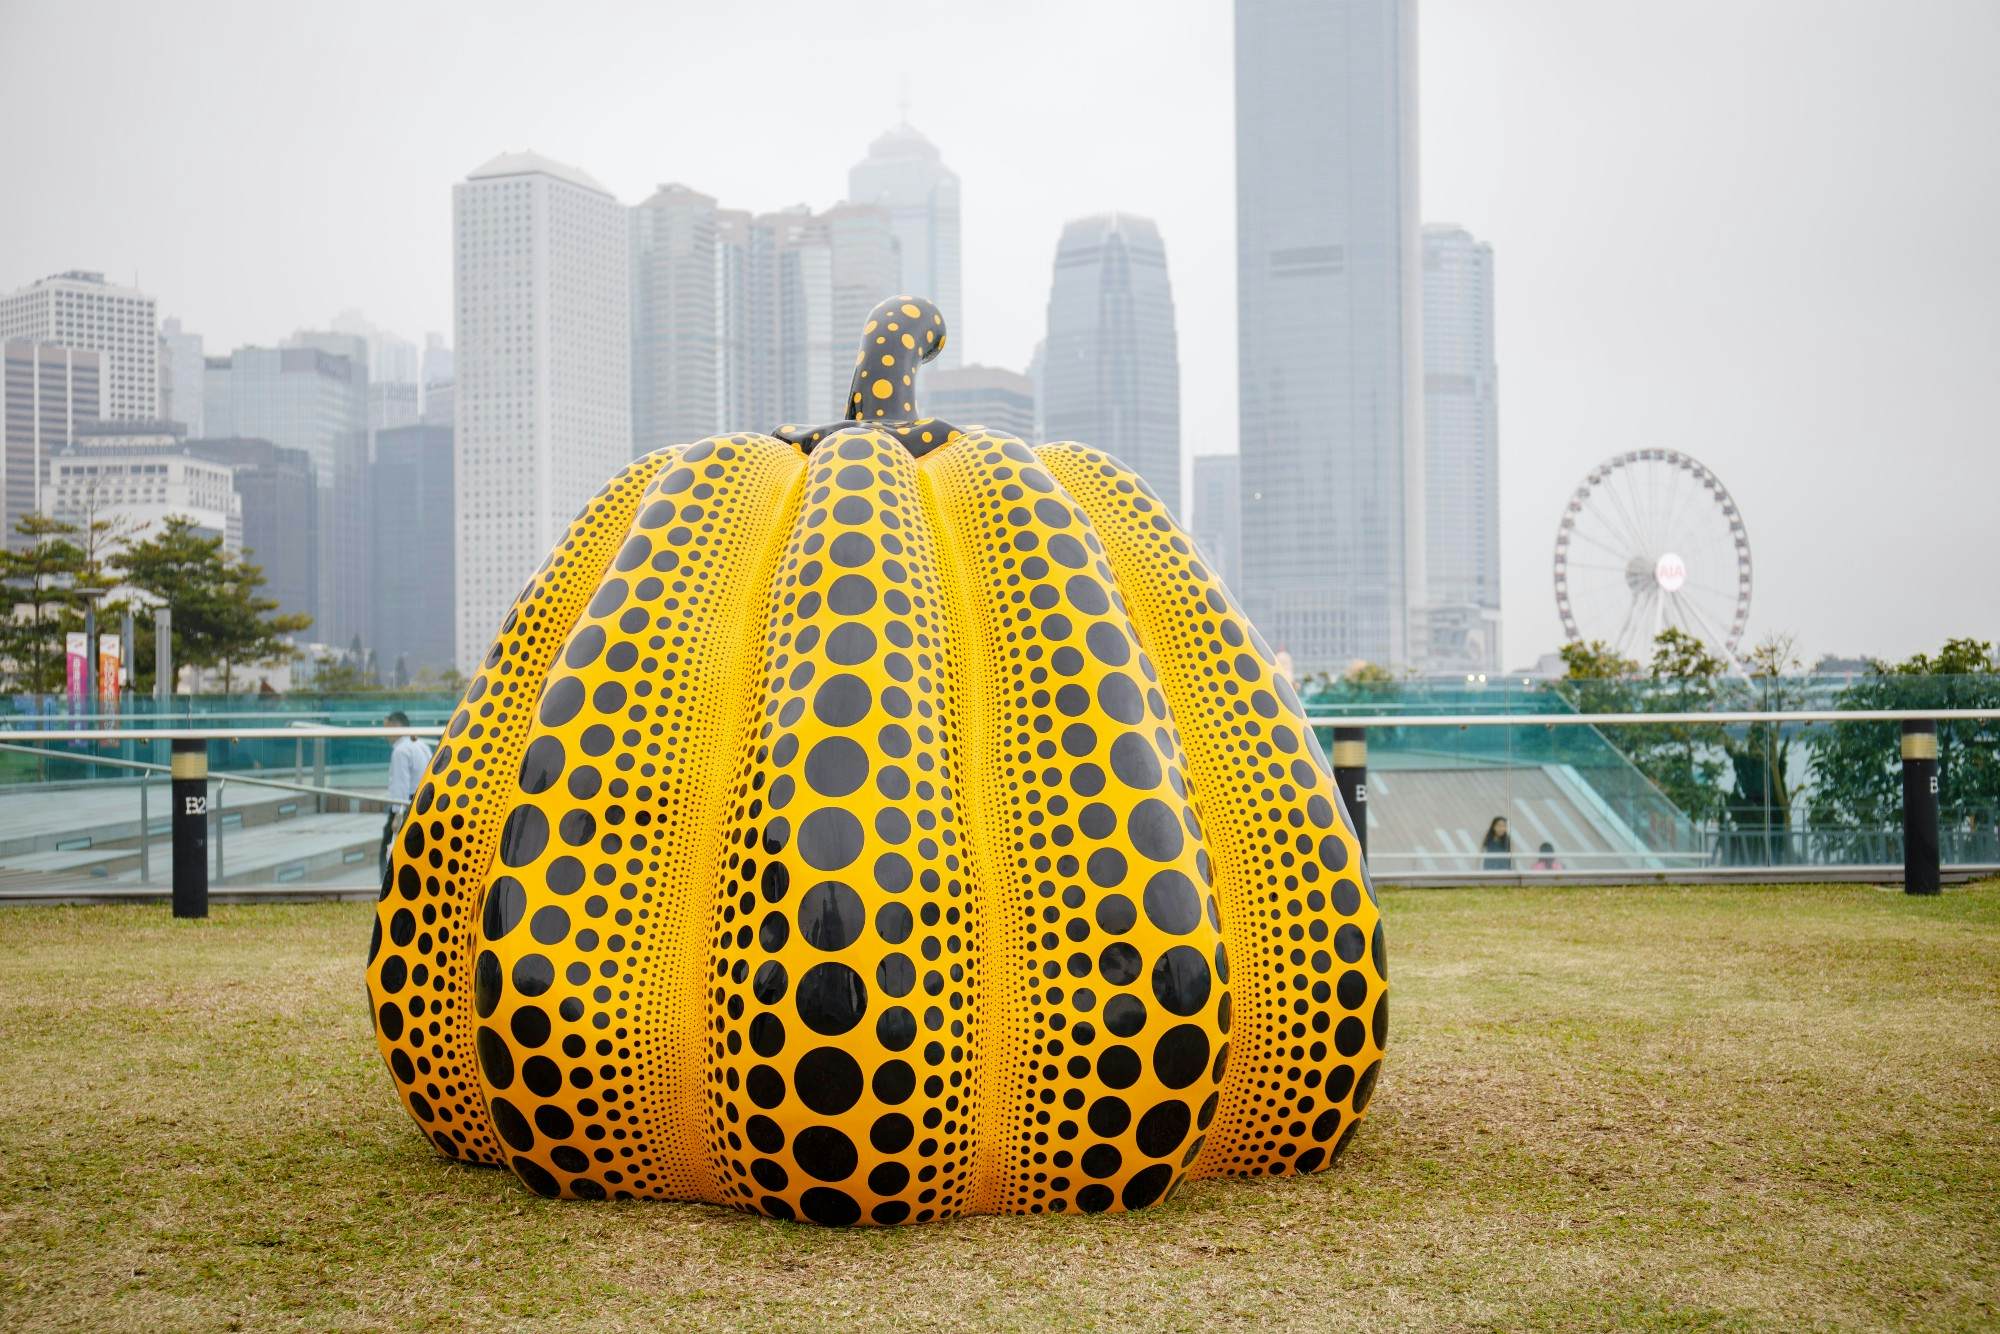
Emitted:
<point x="836" y="766"/>
<point x="831" y="998"/>
<point x="530" y="1026"/>
<point x="1119" y="697"/>
<point x="1124" y="1015"/>
<point x="850" y="595"/>
<point x="533" y="973"/>
<point x="850" y="644"/>
<point x="496" y="1061"/>
<point x="851" y="550"/>
<point x="1118" y="1067"/>
<point x="541" y="765"/>
<point x="1116" y="914"/>
<point x="1172" y="903"/>
<point x="1181" y="1056"/>
<point x="487" y="982"/>
<point x="1101" y="1160"/>
<point x="524" y="835"/>
<point x="825" y="1153"/>
<point x="829" y="1207"/>
<point x="513" y="1126"/>
<point x="1119" y="963"/>
<point x="829" y="838"/>
<point x="549" y="925"/>
<point x="1146" y="1186"/>
<point x="831" y="916"/>
<point x="1135" y="763"/>
<point x="828" y="1080"/>
<point x="841" y="701"/>
<point x="561" y="701"/>
<point x="1109" y="1116"/>
<point x="506" y="901"/>
<point x="1162" y="1129"/>
<point x="1155" y="830"/>
<point x="1181" y="980"/>
<point x="1107" y="643"/>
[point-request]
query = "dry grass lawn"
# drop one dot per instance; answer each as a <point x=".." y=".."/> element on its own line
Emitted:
<point x="1719" y="1107"/>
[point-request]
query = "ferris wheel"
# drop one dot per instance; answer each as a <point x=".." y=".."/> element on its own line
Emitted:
<point x="1651" y="540"/>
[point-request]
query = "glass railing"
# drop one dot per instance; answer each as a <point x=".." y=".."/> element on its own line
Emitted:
<point x="1647" y="791"/>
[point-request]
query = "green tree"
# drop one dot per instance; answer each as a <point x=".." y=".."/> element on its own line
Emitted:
<point x="1686" y="761"/>
<point x="1857" y="772"/>
<point x="42" y="573"/>
<point x="1759" y="807"/>
<point x="1597" y="679"/>
<point x="221" y="620"/>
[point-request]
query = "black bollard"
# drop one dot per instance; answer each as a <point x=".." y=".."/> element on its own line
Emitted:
<point x="1350" y="775"/>
<point x="1920" y="806"/>
<point x="190" y="797"/>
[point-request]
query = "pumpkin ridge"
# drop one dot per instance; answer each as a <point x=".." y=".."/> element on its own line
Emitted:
<point x="1108" y="1008"/>
<point x="1300" y="928"/>
<point x="442" y="861"/>
<point x="962" y="581"/>
<point x="843" y="1004"/>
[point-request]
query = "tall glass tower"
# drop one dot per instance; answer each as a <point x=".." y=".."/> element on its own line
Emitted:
<point x="1461" y="624"/>
<point x="904" y="174"/>
<point x="1111" y="373"/>
<point x="1329" y="294"/>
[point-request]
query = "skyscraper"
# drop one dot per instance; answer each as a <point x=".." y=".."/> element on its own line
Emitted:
<point x="1328" y="299"/>
<point x="675" y="346"/>
<point x="904" y="174"/>
<point x="305" y="398"/>
<point x="46" y="393"/>
<point x="1215" y="514"/>
<point x="986" y="396"/>
<point x="413" y="589"/>
<point x="182" y="373"/>
<point x="1111" y="370"/>
<point x="1461" y="456"/>
<point x="81" y="310"/>
<point x="543" y="362"/>
<point x="281" y="514"/>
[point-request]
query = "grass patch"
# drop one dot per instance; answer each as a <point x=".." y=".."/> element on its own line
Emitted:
<point x="1663" y="1107"/>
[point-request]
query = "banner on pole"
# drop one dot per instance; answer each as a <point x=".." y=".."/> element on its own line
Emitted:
<point x="78" y="675"/>
<point x="110" y="657"/>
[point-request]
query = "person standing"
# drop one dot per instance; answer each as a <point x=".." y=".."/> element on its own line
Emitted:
<point x="1498" y="846"/>
<point x="408" y="759"/>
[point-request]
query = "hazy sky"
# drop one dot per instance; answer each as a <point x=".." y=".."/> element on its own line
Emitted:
<point x="1766" y="232"/>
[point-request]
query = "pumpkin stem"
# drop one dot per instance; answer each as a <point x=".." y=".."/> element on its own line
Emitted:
<point x="902" y="333"/>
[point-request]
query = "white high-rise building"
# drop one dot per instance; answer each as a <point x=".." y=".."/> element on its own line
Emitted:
<point x="904" y="174"/>
<point x="1461" y="624"/>
<point x="543" y="372"/>
<point x="182" y="374"/>
<point x="1328" y="304"/>
<point x="80" y="310"/>
<point x="675" y="333"/>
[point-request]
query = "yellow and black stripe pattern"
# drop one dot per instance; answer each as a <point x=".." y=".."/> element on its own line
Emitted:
<point x="862" y="834"/>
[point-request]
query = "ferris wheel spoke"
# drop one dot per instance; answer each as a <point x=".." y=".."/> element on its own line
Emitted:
<point x="1726" y="649"/>
<point x="1641" y="515"/>
<point x="1620" y="556"/>
<point x="1632" y="533"/>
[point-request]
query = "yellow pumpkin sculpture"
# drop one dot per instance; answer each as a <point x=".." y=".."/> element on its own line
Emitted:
<point x="873" y="823"/>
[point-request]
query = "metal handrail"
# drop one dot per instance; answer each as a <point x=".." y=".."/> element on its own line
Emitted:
<point x="1645" y="719"/>
<point x="1456" y="720"/>
<point x="9" y="719"/>
<point x="221" y="776"/>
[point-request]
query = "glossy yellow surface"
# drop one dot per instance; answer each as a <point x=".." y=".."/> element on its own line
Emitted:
<point x="865" y="838"/>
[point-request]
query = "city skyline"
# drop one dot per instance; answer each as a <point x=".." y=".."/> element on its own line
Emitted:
<point x="1667" y="259"/>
